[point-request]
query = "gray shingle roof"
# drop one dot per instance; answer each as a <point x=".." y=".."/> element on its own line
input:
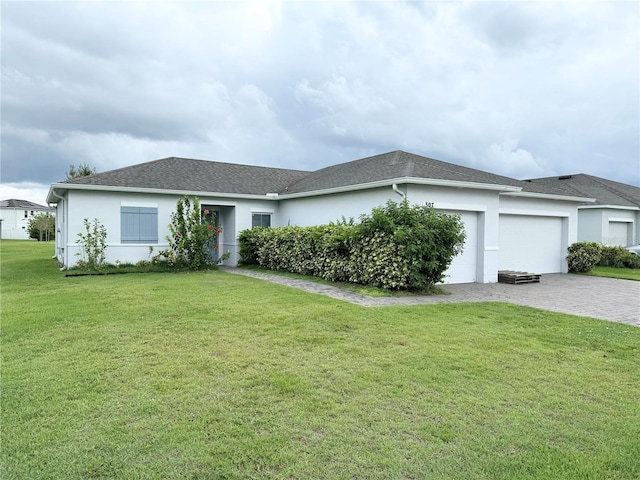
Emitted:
<point x="606" y="192"/>
<point x="392" y="165"/>
<point x="23" y="204"/>
<point x="190" y="175"/>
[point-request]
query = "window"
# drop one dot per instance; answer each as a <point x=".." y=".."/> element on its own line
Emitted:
<point x="138" y="225"/>
<point x="261" y="220"/>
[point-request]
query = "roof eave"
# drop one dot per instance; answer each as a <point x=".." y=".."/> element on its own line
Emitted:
<point x="402" y="180"/>
<point x="550" y="196"/>
<point x="110" y="188"/>
<point x="615" y="207"/>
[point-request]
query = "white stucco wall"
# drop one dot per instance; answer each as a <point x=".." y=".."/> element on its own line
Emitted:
<point x="327" y="208"/>
<point x="590" y="225"/>
<point x="482" y="208"/>
<point x="233" y="214"/>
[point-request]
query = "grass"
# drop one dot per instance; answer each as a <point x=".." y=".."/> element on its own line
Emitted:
<point x="612" y="272"/>
<point x="212" y="375"/>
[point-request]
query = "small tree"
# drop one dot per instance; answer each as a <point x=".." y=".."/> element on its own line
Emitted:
<point x="193" y="236"/>
<point x="42" y="227"/>
<point x="82" y="170"/>
<point x="93" y="242"/>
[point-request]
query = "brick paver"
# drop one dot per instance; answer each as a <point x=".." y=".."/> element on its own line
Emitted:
<point x="604" y="298"/>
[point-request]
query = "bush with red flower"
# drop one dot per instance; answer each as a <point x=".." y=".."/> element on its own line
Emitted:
<point x="193" y="236"/>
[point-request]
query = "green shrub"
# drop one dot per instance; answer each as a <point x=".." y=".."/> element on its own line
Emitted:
<point x="93" y="243"/>
<point x="619" y="257"/>
<point x="583" y="256"/>
<point x="193" y="236"/>
<point x="631" y="260"/>
<point x="397" y="246"/>
<point x="249" y="245"/>
<point x="376" y="261"/>
<point x="427" y="240"/>
<point x="333" y="246"/>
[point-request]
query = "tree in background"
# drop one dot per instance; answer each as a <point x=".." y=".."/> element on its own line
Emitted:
<point x="82" y="170"/>
<point x="42" y="227"/>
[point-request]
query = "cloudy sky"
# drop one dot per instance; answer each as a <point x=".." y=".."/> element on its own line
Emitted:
<point x="521" y="89"/>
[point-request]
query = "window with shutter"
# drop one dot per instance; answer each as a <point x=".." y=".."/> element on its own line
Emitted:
<point x="138" y="225"/>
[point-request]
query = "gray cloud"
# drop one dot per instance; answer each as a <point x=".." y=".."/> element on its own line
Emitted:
<point x="522" y="89"/>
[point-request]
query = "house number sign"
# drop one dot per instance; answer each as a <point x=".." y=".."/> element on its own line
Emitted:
<point x="429" y="204"/>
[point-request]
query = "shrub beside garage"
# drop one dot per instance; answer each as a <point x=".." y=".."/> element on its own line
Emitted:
<point x="397" y="246"/>
<point x="583" y="256"/>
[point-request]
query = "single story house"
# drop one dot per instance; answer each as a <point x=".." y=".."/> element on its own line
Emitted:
<point x="15" y="216"/>
<point x="510" y="224"/>
<point x="614" y="218"/>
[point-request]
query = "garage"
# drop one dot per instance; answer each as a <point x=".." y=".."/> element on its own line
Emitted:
<point x="618" y="234"/>
<point x="531" y="243"/>
<point x="464" y="267"/>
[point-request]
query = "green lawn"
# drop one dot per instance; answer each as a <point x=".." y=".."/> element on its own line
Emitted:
<point x="611" y="272"/>
<point x="217" y="376"/>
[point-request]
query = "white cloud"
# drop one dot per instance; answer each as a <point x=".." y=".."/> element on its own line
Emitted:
<point x="510" y="160"/>
<point x="513" y="88"/>
<point x="33" y="192"/>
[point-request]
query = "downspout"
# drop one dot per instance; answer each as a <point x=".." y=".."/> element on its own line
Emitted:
<point x="398" y="191"/>
<point x="53" y="192"/>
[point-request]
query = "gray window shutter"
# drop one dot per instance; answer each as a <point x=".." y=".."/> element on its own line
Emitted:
<point x="129" y="224"/>
<point x="138" y="225"/>
<point x="148" y="225"/>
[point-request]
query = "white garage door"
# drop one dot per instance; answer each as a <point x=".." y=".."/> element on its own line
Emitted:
<point x="531" y="244"/>
<point x="617" y="234"/>
<point x="464" y="267"/>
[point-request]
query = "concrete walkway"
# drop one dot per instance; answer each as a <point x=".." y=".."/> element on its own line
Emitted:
<point x="596" y="297"/>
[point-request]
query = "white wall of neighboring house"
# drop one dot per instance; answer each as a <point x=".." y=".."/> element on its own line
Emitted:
<point x="609" y="225"/>
<point x="15" y="222"/>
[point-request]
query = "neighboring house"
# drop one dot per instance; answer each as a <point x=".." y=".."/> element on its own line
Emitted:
<point x="15" y="216"/>
<point x="510" y="224"/>
<point x="614" y="219"/>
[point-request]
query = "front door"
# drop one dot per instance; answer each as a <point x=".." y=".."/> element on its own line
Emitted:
<point x="212" y="217"/>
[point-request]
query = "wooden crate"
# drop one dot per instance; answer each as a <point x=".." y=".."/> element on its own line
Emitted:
<point x="516" y="278"/>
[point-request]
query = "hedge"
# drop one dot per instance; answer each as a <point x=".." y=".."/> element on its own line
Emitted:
<point x="619" y="257"/>
<point x="396" y="247"/>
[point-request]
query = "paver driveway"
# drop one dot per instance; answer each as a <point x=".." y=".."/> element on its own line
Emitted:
<point x="604" y="298"/>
